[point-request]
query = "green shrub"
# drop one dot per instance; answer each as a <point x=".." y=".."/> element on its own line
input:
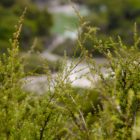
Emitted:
<point x="108" y="110"/>
<point x="119" y="90"/>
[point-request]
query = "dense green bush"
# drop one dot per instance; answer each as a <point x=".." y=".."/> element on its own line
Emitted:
<point x="108" y="110"/>
<point x="119" y="90"/>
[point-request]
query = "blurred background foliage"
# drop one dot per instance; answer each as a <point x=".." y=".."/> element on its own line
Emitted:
<point x="44" y="23"/>
<point x="37" y="22"/>
<point x="114" y="17"/>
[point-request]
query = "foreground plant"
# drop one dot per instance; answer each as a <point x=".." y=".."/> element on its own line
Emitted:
<point x="119" y="89"/>
<point x="12" y="98"/>
<point x="108" y="110"/>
